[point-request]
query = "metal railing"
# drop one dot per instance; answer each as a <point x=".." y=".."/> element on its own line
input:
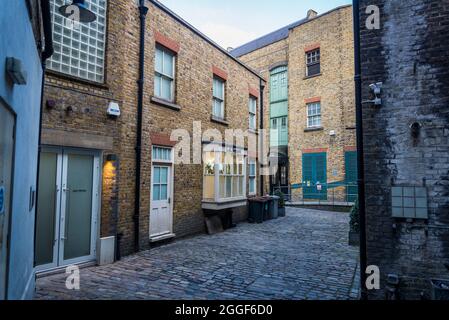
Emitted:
<point x="330" y="194"/>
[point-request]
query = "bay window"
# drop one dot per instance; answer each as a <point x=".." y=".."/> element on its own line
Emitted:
<point x="224" y="174"/>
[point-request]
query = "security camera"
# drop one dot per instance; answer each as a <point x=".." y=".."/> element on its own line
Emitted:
<point x="376" y="88"/>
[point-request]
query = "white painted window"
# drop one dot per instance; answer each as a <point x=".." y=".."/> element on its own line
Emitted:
<point x="252" y="176"/>
<point x="224" y="175"/>
<point x="79" y="51"/>
<point x="161" y="154"/>
<point x="252" y="113"/>
<point x="218" y="107"/>
<point x="164" y="78"/>
<point x="314" y="115"/>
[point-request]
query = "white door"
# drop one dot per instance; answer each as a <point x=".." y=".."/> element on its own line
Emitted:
<point x="7" y="122"/>
<point x="66" y="225"/>
<point x="161" y="209"/>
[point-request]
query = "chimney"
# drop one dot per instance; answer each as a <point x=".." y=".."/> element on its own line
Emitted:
<point x="311" y="14"/>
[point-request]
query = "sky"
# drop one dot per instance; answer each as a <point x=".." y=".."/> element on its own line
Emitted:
<point x="232" y="23"/>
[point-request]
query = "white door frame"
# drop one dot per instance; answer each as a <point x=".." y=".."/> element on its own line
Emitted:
<point x="59" y="153"/>
<point x="171" y="171"/>
<point x="58" y="249"/>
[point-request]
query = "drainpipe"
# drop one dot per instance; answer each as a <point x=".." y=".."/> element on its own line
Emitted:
<point x="143" y="10"/>
<point x="360" y="148"/>
<point x="46" y="54"/>
<point x="262" y="88"/>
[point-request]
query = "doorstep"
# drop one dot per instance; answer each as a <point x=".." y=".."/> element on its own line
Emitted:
<point x="162" y="237"/>
<point x="60" y="270"/>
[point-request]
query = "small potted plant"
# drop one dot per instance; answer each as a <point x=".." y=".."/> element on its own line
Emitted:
<point x="354" y="225"/>
<point x="281" y="209"/>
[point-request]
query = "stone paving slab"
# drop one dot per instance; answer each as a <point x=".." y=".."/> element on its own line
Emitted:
<point x="302" y="256"/>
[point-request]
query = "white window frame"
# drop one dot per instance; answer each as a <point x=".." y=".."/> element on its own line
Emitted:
<point x="220" y="100"/>
<point x="312" y="116"/>
<point x="252" y="113"/>
<point x="163" y="75"/>
<point x="313" y="57"/>
<point x="252" y="162"/>
<point x="160" y="160"/>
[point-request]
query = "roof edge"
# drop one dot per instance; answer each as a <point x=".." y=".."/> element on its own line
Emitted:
<point x="322" y="15"/>
<point x="290" y="26"/>
<point x="186" y="24"/>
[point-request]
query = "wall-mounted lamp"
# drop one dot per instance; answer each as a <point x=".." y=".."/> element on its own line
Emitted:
<point x="85" y="15"/>
<point x="376" y="89"/>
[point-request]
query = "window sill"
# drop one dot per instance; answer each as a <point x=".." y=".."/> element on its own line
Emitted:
<point x="314" y="76"/>
<point x="82" y="81"/>
<point x="253" y="131"/>
<point x="165" y="103"/>
<point x="220" y="121"/>
<point x="224" y="204"/>
<point x="313" y="129"/>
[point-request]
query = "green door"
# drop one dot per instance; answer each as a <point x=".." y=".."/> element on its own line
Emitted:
<point x="314" y="168"/>
<point x="351" y="176"/>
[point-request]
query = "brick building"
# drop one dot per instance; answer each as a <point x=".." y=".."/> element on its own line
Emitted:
<point x="310" y="103"/>
<point x="88" y="172"/>
<point x="406" y="142"/>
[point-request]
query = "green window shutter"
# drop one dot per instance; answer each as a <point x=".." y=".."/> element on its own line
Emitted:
<point x="314" y="171"/>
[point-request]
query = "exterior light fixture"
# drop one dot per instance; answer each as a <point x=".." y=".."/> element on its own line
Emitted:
<point x="85" y="15"/>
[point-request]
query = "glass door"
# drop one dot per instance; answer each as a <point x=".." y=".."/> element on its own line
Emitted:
<point x="77" y="218"/>
<point x="7" y="123"/>
<point x="66" y="225"/>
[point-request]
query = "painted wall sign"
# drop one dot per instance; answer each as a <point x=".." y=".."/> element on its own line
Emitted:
<point x="2" y="200"/>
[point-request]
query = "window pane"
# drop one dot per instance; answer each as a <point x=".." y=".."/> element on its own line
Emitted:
<point x="166" y="89"/>
<point x="156" y="192"/>
<point x="157" y="86"/>
<point x="168" y="64"/>
<point x="252" y="188"/>
<point x="218" y="89"/>
<point x="159" y="61"/>
<point x="164" y="174"/>
<point x="228" y="187"/>
<point x="157" y="175"/>
<point x="164" y="193"/>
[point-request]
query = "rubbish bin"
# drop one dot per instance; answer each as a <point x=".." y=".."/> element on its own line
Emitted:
<point x="275" y="206"/>
<point x="257" y="209"/>
<point x="268" y="212"/>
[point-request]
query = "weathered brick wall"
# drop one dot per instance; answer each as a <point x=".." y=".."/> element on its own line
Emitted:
<point x="89" y="103"/>
<point x="408" y="54"/>
<point x="194" y="63"/>
<point x="334" y="88"/>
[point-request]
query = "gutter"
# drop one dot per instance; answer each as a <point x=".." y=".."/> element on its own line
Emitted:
<point x="46" y="54"/>
<point x="360" y="148"/>
<point x="261" y="136"/>
<point x="143" y="10"/>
